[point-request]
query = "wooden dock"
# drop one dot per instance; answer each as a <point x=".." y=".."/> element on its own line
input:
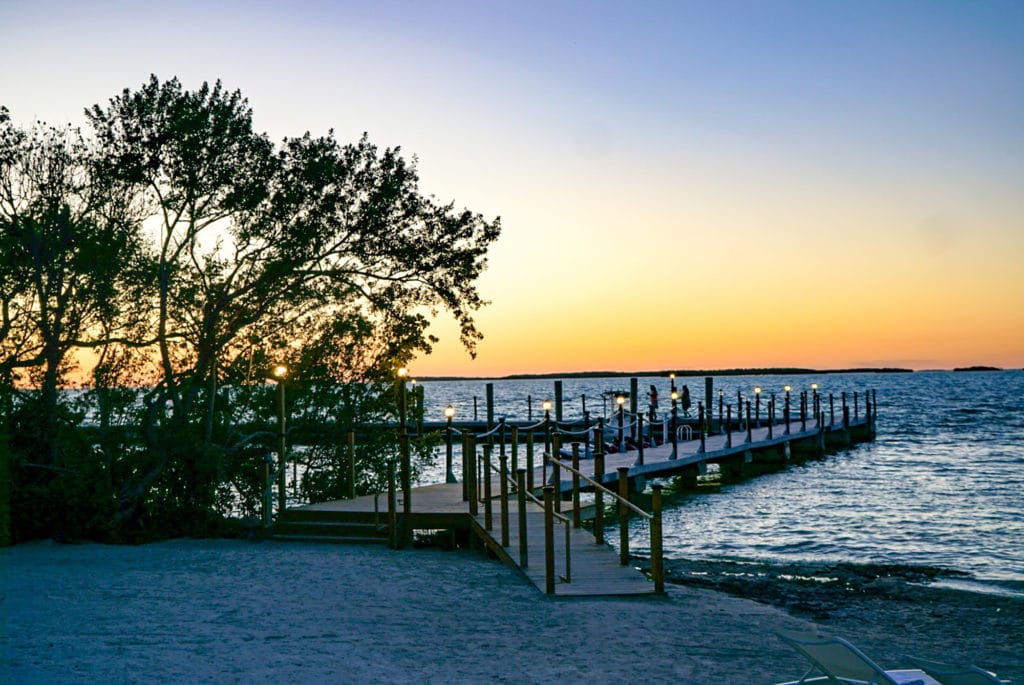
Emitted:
<point x="590" y="568"/>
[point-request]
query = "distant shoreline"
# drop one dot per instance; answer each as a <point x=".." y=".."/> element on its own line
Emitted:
<point x="773" y="371"/>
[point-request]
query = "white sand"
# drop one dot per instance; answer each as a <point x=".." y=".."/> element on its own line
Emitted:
<point x="237" y="611"/>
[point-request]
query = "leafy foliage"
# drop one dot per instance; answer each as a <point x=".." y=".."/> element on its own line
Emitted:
<point x="195" y="254"/>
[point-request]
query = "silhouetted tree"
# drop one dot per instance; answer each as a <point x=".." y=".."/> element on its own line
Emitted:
<point x="261" y="252"/>
<point x="65" y="244"/>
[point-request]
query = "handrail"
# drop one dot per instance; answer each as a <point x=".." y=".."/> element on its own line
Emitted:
<point x="531" y="496"/>
<point x="555" y="515"/>
<point x="593" y="482"/>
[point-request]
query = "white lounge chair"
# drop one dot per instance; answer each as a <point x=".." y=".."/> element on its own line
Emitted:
<point x="839" y="662"/>
<point x="953" y="674"/>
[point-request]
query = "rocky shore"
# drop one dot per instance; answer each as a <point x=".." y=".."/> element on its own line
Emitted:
<point x="888" y="611"/>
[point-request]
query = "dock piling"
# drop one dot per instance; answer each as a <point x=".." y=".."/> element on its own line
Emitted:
<point x="521" y="502"/>
<point x="577" y="519"/>
<point x="598" y="493"/>
<point x="503" y="467"/>
<point x="657" y="561"/>
<point x="623" y="515"/>
<point x="549" y="540"/>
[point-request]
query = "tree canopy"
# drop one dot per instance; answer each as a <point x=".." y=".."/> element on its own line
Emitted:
<point x="190" y="253"/>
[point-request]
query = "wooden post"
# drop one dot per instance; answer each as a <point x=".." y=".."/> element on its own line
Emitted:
<point x="489" y="388"/>
<point x="657" y="561"/>
<point x="556" y="470"/>
<point x="471" y="482"/>
<point x="640" y="438"/>
<point x="771" y="417"/>
<point x="406" y="531"/>
<point x="846" y="424"/>
<point x="598" y="493"/>
<point x="268" y="485"/>
<point x="577" y="518"/>
<point x="515" y="449"/>
<point x="831" y="410"/>
<point x="634" y="392"/>
<point x="351" y="464"/>
<point x="728" y="424"/>
<point x="529" y="458"/>
<point x="549" y="540"/>
<point x="282" y="449"/>
<point x="465" y="467"/>
<point x="623" y="515"/>
<point x="521" y="502"/>
<point x="503" y="467"/>
<point x="803" y="410"/>
<point x="392" y="507"/>
<point x="558" y="400"/>
<point x="488" y="508"/>
<point x="856" y="413"/>
<point x="785" y="414"/>
<point x="750" y="436"/>
<point x="700" y="424"/>
<point x="709" y="394"/>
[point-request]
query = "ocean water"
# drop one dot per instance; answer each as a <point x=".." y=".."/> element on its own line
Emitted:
<point x="942" y="485"/>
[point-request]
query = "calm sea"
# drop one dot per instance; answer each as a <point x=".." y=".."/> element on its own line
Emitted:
<point x="942" y="485"/>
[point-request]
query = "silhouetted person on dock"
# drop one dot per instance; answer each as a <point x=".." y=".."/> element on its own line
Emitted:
<point x="654" y="403"/>
<point x="685" y="400"/>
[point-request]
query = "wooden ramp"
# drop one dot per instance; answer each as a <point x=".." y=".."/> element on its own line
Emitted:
<point x="593" y="569"/>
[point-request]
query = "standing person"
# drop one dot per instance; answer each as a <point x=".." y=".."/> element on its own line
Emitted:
<point x="654" y="403"/>
<point x="686" y="401"/>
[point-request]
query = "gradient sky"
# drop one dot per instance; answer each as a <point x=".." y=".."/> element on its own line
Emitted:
<point x="681" y="185"/>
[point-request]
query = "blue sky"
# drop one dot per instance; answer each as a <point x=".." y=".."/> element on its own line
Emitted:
<point x="650" y="158"/>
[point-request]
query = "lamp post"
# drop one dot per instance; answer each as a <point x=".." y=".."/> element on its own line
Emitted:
<point x="672" y="381"/>
<point x="403" y="441"/>
<point x="675" y="396"/>
<point x="279" y="373"/>
<point x="814" y="390"/>
<point x="757" y="406"/>
<point x="786" y="409"/>
<point x="546" y="405"/>
<point x="449" y="413"/>
<point x="621" y="400"/>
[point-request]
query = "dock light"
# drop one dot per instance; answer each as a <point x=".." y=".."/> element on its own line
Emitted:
<point x="546" y="404"/>
<point x="280" y="371"/>
<point x="788" y="388"/>
<point x="757" y="406"/>
<point x="402" y="372"/>
<point x="814" y="386"/>
<point x="675" y="449"/>
<point x="449" y="474"/>
<point x="620" y="400"/>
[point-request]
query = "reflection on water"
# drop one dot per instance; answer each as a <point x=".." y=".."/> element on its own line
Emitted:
<point x="943" y="484"/>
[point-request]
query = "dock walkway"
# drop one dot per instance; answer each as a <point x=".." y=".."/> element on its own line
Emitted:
<point x="590" y="568"/>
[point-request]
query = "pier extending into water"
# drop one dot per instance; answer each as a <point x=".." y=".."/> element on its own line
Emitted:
<point x="537" y="494"/>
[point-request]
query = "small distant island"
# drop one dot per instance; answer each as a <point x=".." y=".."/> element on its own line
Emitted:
<point x="978" y="368"/>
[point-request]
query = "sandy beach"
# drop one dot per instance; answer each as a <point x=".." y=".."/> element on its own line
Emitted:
<point x="242" y="611"/>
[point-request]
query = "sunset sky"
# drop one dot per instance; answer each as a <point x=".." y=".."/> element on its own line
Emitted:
<point x="681" y="184"/>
